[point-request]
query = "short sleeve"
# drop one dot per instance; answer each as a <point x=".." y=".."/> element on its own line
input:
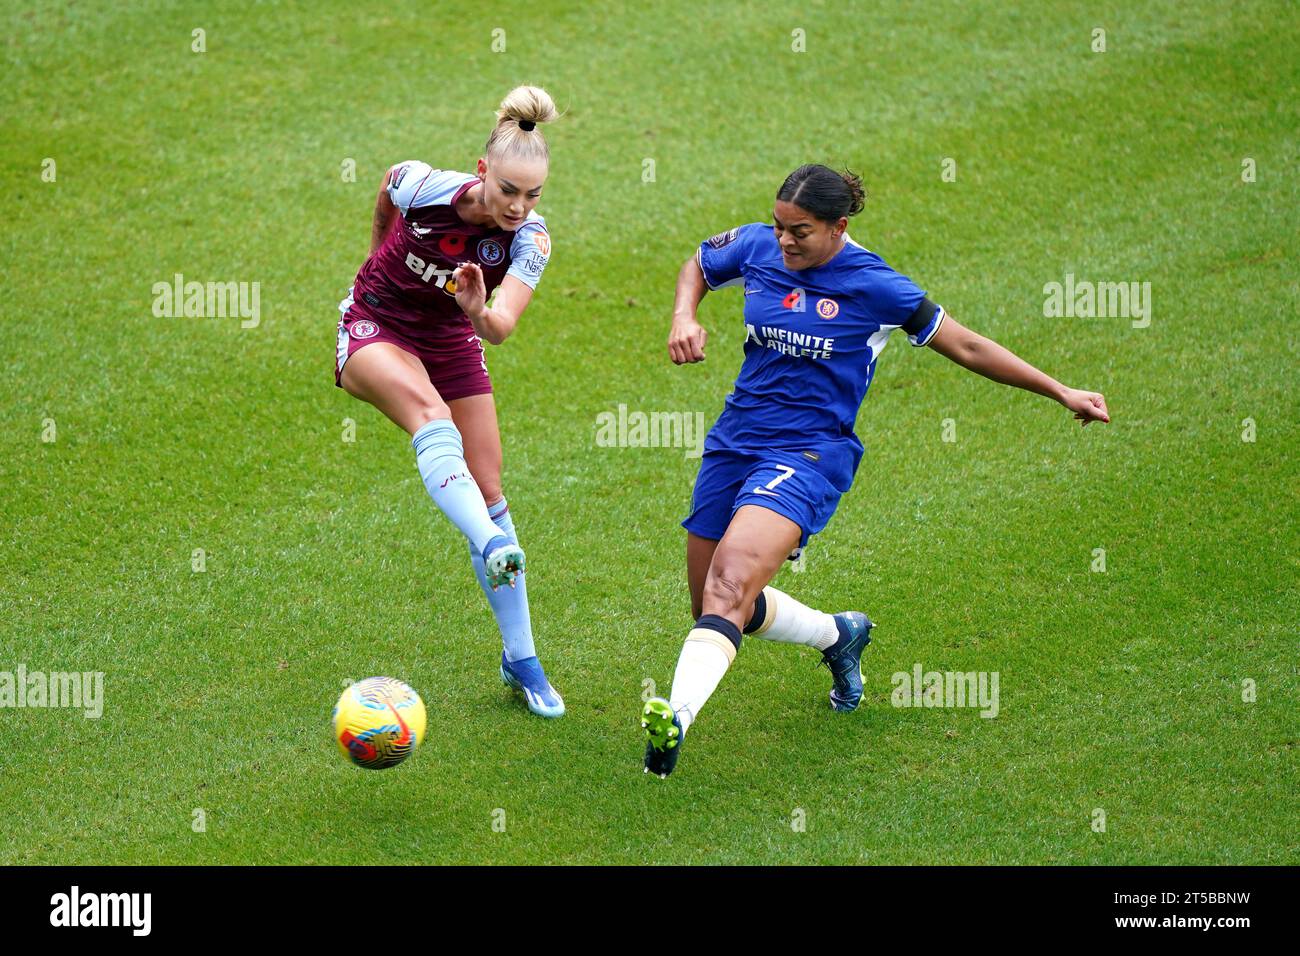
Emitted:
<point x="414" y="184"/>
<point x="405" y="182"/>
<point x="530" y="252"/>
<point x="722" y="257"/>
<point x="903" y="303"/>
<point x="922" y="325"/>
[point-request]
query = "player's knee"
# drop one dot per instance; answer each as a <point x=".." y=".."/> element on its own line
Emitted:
<point x="724" y="591"/>
<point x="426" y="408"/>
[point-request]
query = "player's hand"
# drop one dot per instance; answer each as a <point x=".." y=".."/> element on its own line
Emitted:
<point x="686" y="341"/>
<point x="471" y="293"/>
<point x="1087" y="406"/>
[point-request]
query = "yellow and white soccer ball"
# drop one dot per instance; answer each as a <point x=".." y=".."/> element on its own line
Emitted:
<point x="378" y="722"/>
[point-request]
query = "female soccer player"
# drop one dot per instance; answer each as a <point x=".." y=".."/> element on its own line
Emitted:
<point x="819" y="309"/>
<point x="410" y="343"/>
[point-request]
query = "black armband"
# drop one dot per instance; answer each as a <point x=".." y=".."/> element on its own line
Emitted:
<point x="922" y="317"/>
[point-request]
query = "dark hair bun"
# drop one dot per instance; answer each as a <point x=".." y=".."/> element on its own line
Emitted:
<point x="858" y="194"/>
<point x="828" y="195"/>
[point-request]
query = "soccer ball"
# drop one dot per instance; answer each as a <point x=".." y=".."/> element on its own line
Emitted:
<point x="378" y="722"/>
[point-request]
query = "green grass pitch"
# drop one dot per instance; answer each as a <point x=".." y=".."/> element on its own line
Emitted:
<point x="1126" y="691"/>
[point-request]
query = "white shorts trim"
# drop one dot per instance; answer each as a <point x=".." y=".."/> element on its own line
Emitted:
<point x="341" y="346"/>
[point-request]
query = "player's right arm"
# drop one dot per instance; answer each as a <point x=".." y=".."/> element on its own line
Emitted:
<point x="385" y="212"/>
<point x="719" y="261"/>
<point x="687" y="337"/>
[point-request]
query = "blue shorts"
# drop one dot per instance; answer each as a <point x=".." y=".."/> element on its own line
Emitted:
<point x="784" y="482"/>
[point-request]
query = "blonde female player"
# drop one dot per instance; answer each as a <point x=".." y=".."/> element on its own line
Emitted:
<point x="819" y="309"/>
<point x="410" y="342"/>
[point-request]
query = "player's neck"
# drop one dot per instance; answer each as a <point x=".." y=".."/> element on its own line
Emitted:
<point x="470" y="206"/>
<point x="834" y="252"/>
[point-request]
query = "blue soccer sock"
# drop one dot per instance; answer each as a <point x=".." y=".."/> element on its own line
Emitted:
<point x="509" y="604"/>
<point x="440" y="456"/>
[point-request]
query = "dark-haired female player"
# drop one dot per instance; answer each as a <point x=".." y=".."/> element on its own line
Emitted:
<point x="819" y="309"/>
<point x="410" y="343"/>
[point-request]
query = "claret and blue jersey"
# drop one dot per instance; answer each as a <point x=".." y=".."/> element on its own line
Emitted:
<point x="407" y="283"/>
<point x="785" y="438"/>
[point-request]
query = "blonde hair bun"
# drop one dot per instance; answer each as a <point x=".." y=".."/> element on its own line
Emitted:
<point x="518" y="133"/>
<point x="527" y="104"/>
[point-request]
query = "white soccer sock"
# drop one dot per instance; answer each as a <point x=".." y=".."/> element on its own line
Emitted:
<point x="705" y="657"/>
<point x="790" y="622"/>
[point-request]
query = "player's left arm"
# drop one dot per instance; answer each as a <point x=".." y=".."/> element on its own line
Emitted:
<point x="493" y="324"/>
<point x="979" y="354"/>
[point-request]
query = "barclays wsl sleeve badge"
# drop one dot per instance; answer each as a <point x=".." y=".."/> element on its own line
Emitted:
<point x="722" y="238"/>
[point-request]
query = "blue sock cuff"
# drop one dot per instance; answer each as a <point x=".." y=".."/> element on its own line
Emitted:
<point x="715" y="622"/>
<point x="440" y="431"/>
<point x="497" y="510"/>
<point x="760" y="614"/>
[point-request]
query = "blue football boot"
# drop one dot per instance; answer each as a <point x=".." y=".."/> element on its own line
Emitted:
<point x="528" y="677"/>
<point x="844" y="659"/>
<point x="663" y="730"/>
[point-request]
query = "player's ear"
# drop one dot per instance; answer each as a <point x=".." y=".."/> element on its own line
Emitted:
<point x="482" y="168"/>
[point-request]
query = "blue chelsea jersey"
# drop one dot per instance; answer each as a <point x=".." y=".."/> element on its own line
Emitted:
<point x="812" y="338"/>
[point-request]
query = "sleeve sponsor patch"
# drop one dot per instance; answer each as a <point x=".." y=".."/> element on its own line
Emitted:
<point x="723" y="238"/>
<point x="399" y="173"/>
<point x="529" y="253"/>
